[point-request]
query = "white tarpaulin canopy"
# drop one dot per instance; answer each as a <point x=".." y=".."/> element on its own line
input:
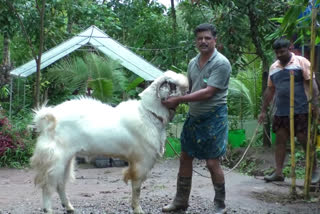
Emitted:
<point x="101" y="41"/>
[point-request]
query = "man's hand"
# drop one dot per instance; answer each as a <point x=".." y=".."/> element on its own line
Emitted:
<point x="262" y="117"/>
<point x="171" y="102"/>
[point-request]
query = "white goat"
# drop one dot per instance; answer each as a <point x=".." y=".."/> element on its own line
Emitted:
<point x="133" y="131"/>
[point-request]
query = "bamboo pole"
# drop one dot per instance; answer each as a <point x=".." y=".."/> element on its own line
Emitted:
<point x="307" y="179"/>
<point x="293" y="162"/>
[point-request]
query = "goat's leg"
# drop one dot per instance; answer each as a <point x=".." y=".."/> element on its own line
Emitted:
<point x="46" y="200"/>
<point x="140" y="174"/>
<point x="64" y="199"/>
<point x="61" y="187"/>
<point x="136" y="189"/>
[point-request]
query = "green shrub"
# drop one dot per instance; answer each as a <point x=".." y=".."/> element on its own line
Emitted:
<point x="16" y="142"/>
<point x="300" y="164"/>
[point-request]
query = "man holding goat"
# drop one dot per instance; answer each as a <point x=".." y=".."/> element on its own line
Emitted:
<point x="205" y="131"/>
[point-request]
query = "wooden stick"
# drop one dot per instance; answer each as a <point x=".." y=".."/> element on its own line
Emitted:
<point x="293" y="162"/>
<point x="307" y="179"/>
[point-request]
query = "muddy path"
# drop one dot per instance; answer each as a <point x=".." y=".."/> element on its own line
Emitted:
<point x="101" y="190"/>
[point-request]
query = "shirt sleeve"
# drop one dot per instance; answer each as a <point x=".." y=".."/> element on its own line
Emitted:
<point x="219" y="78"/>
<point x="305" y="65"/>
<point x="189" y="77"/>
<point x="270" y="83"/>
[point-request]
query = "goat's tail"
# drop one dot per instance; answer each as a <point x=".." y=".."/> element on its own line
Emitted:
<point x="44" y="121"/>
<point x="46" y="152"/>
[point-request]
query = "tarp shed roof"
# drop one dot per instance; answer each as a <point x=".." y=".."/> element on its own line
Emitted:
<point x="101" y="41"/>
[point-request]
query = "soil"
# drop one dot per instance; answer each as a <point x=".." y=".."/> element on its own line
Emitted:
<point x="101" y="190"/>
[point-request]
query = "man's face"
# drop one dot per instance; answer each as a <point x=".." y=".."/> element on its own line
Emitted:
<point x="283" y="54"/>
<point x="205" y="42"/>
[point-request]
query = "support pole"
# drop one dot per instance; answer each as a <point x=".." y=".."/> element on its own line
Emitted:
<point x="24" y="93"/>
<point x="10" y="108"/>
<point x="307" y="179"/>
<point x="293" y="162"/>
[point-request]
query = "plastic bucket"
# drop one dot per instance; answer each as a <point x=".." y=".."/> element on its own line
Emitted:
<point x="237" y="138"/>
<point x="175" y="143"/>
<point x="273" y="137"/>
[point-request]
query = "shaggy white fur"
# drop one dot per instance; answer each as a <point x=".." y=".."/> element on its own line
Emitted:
<point x="134" y="131"/>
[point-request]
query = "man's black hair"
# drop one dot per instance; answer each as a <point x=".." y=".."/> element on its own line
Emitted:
<point x="281" y="43"/>
<point x="206" y="27"/>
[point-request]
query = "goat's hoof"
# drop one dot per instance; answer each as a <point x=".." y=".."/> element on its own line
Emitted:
<point x="138" y="210"/>
<point x="47" y="211"/>
<point x="69" y="208"/>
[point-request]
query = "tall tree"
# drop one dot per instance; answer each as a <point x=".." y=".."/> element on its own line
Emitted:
<point x="41" y="6"/>
<point x="174" y="29"/>
<point x="8" y="28"/>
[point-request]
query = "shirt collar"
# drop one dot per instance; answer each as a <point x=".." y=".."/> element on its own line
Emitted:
<point x="214" y="54"/>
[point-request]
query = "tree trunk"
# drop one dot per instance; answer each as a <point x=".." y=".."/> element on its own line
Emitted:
<point x="267" y="125"/>
<point x="6" y="50"/>
<point x="70" y="23"/>
<point x="265" y="67"/>
<point x="6" y="62"/>
<point x="38" y="60"/>
<point x="174" y="28"/>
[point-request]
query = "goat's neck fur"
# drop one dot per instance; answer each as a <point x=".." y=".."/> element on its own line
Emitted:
<point x="151" y="101"/>
<point x="156" y="116"/>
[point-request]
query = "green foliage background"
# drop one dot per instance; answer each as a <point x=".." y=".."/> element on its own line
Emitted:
<point x="246" y="30"/>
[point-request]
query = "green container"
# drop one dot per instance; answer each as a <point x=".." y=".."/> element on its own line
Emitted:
<point x="273" y="137"/>
<point x="237" y="138"/>
<point x="175" y="143"/>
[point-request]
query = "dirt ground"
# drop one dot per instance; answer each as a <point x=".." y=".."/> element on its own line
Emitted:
<point x="101" y="190"/>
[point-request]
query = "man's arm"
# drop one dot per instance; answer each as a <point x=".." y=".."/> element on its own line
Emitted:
<point x="315" y="93"/>
<point x="203" y="94"/>
<point x="267" y="98"/>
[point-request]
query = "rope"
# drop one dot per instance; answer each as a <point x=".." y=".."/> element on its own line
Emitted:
<point x="235" y="166"/>
<point x="179" y="157"/>
<point x="245" y="152"/>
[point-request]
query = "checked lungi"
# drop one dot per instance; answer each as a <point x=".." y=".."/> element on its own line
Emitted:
<point x="205" y="136"/>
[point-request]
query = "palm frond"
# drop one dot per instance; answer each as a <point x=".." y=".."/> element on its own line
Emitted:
<point x="102" y="89"/>
<point x="105" y="76"/>
<point x="239" y="99"/>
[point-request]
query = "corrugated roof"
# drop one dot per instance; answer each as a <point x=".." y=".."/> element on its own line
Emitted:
<point x="101" y="41"/>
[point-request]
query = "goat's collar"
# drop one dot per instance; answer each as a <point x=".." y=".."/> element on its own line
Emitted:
<point x="160" y="118"/>
<point x="156" y="116"/>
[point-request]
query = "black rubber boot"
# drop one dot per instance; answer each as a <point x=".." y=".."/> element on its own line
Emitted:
<point x="219" y="198"/>
<point x="273" y="177"/>
<point x="181" y="199"/>
<point x="315" y="177"/>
